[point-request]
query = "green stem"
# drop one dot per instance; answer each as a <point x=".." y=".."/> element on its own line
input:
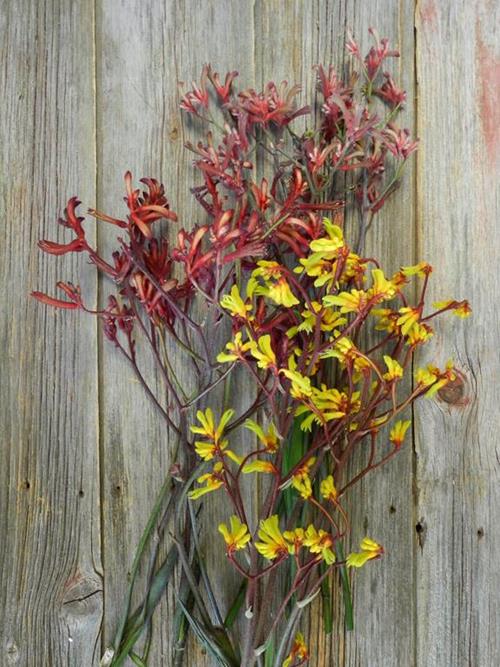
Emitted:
<point x="346" y="590"/>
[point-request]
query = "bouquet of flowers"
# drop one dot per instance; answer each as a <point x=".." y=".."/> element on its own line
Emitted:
<point x="277" y="270"/>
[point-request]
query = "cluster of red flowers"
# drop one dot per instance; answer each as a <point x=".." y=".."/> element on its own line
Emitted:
<point x="249" y="219"/>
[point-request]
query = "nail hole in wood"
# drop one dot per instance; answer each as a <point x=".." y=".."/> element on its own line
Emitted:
<point x="392" y="509"/>
<point x="480" y="532"/>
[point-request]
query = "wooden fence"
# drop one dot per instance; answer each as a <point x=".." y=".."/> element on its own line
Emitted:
<point x="89" y="90"/>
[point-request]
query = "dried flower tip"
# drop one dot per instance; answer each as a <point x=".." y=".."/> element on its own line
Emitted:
<point x="299" y="653"/>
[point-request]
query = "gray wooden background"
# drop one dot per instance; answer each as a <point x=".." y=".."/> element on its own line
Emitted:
<point x="89" y="89"/>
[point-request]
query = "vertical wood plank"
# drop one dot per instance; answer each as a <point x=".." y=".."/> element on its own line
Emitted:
<point x="133" y="113"/>
<point x="382" y="506"/>
<point x="146" y="52"/>
<point x="292" y="37"/>
<point x="458" y="465"/>
<point x="50" y="579"/>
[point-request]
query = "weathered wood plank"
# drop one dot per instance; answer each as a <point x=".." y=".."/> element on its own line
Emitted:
<point x="458" y="464"/>
<point x="50" y="579"/>
<point x="145" y="54"/>
<point x="292" y="37"/>
<point x="382" y="506"/>
<point x="133" y="123"/>
<point x="429" y="602"/>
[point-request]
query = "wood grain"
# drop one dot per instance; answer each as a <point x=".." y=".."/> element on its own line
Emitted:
<point x="458" y="462"/>
<point x="50" y="578"/>
<point x="145" y="55"/>
<point x="91" y="91"/>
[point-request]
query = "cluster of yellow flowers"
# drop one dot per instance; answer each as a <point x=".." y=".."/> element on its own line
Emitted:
<point x="214" y="446"/>
<point x="331" y="264"/>
<point x="291" y="329"/>
<point x="274" y="544"/>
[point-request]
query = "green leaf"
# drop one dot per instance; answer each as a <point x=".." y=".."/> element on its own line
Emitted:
<point x="346" y="589"/>
<point x="180" y="623"/>
<point x="214" y="640"/>
<point x="293" y="451"/>
<point x="204" y="574"/>
<point x="138" y="621"/>
<point x="270" y="654"/>
<point x="137" y="660"/>
<point x="327" y="605"/>
<point x="236" y="606"/>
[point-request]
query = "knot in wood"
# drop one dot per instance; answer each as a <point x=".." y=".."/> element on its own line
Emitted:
<point x="454" y="392"/>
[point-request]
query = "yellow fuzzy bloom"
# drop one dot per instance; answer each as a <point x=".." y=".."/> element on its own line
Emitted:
<point x="235" y="349"/>
<point x="381" y="288"/>
<point x="214" y="432"/>
<point x="299" y="652"/>
<point x="273" y="543"/>
<point x="421" y="270"/>
<point x="236" y="536"/>
<point x="330" y="403"/>
<point x="459" y="308"/>
<point x="320" y="542"/>
<point x="369" y="551"/>
<point x="394" y="370"/>
<point x="269" y="439"/>
<point x="301" y="481"/>
<point x="328" y="245"/>
<point x="328" y="490"/>
<point x="295" y="538"/>
<point x="212" y="481"/>
<point x="462" y="309"/>
<point x="267" y="270"/>
<point x="303" y="486"/>
<point x="349" y="302"/>
<point x="398" y="432"/>
<point x="433" y="378"/>
<point x="259" y="466"/>
<point x="263" y="352"/>
<point x="317" y="267"/>
<point x="387" y="320"/>
<point x="425" y="376"/>
<point x="281" y="293"/>
<point x="418" y="334"/>
<point x="348" y="354"/>
<point x="407" y="318"/>
<point x="207" y="450"/>
<point x="275" y="285"/>
<point x="208" y="427"/>
<point x="329" y="319"/>
<point x="235" y="304"/>
<point x="301" y="386"/>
